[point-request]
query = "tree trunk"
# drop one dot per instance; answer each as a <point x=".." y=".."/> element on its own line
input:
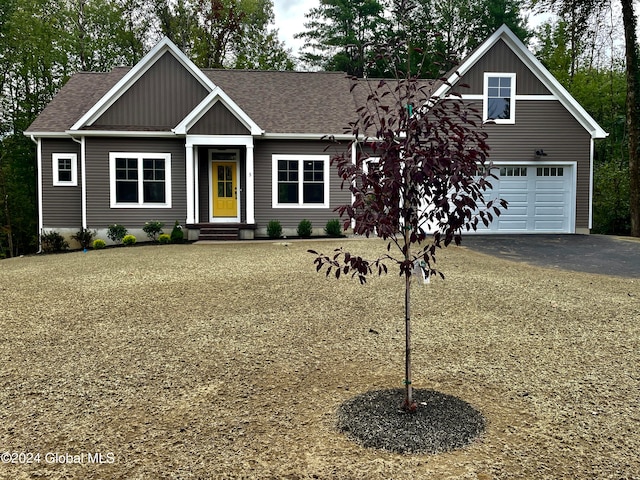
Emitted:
<point x="633" y="112"/>
<point x="408" y="398"/>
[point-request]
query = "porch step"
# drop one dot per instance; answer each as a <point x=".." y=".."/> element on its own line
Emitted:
<point x="222" y="232"/>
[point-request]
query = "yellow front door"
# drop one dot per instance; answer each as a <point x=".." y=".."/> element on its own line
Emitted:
<point x="225" y="189"/>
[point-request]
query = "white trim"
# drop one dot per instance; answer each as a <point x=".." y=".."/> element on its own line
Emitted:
<point x="235" y="219"/>
<point x="55" y="158"/>
<point x="308" y="136"/>
<point x="591" y="180"/>
<point x="40" y="214"/>
<point x="83" y="174"/>
<point x="548" y="80"/>
<point x="480" y="97"/>
<point x="300" y="159"/>
<point x="512" y="100"/>
<point x="139" y="156"/>
<point x="216" y="95"/>
<point x="119" y="133"/>
<point x="190" y="174"/>
<point x="133" y="75"/>
<point x="219" y="140"/>
<point x="250" y="185"/>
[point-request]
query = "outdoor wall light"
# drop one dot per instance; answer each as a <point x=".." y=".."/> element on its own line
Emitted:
<point x="540" y="153"/>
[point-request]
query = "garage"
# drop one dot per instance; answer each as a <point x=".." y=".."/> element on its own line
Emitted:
<point x="541" y="198"/>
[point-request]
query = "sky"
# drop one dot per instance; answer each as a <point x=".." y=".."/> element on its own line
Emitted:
<point x="289" y="20"/>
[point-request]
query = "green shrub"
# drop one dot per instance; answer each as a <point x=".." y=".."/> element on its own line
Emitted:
<point x="98" y="244"/>
<point x="116" y="232"/>
<point x="53" y="242"/>
<point x="153" y="228"/>
<point x="333" y="228"/>
<point x="164" y="238"/>
<point x="177" y="235"/>
<point x="129" y="240"/>
<point x="84" y="237"/>
<point x="274" y="229"/>
<point x="305" y="229"/>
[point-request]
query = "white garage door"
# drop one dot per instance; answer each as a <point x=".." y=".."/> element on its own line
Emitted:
<point x="540" y="199"/>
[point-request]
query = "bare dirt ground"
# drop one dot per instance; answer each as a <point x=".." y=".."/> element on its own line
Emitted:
<point x="231" y="361"/>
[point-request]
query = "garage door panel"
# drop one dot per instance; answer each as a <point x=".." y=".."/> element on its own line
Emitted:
<point x="541" y="199"/>
<point x="550" y="210"/>
<point x="547" y="197"/>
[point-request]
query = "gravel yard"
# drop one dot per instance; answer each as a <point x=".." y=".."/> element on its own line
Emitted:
<point x="233" y="360"/>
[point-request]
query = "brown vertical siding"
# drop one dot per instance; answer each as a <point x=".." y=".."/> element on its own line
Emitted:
<point x="61" y="206"/>
<point x="161" y="98"/>
<point x="549" y="126"/>
<point x="99" y="212"/>
<point x="218" y="121"/>
<point x="289" y="218"/>
<point x="500" y="58"/>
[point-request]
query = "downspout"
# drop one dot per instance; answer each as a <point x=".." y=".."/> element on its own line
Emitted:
<point x="83" y="190"/>
<point x="39" y="188"/>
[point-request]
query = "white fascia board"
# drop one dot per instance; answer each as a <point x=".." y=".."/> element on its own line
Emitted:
<point x="165" y="45"/>
<point x="307" y="136"/>
<point x="536" y="67"/>
<point x="46" y="134"/>
<point x="216" y="95"/>
<point x="118" y="133"/>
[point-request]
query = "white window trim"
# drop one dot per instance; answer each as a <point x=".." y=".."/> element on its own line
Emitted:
<point x="512" y="103"/>
<point x="74" y="169"/>
<point x="139" y="156"/>
<point x="300" y="159"/>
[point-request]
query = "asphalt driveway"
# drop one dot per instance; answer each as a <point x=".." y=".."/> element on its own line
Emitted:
<point x="602" y="254"/>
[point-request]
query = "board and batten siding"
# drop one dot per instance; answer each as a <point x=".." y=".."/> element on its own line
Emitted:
<point x="291" y="217"/>
<point x="218" y="121"/>
<point x="99" y="212"/>
<point x="545" y="125"/>
<point x="501" y="59"/>
<point x="61" y="205"/>
<point x="160" y="99"/>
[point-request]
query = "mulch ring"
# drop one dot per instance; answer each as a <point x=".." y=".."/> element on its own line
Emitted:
<point x="441" y="423"/>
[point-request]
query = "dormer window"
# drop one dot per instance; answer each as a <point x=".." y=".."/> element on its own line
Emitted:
<point x="499" y="97"/>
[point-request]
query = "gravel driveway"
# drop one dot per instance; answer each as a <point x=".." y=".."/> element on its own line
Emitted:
<point x="231" y="361"/>
<point x="608" y="255"/>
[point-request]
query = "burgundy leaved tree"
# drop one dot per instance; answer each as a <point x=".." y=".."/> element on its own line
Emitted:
<point x="417" y="169"/>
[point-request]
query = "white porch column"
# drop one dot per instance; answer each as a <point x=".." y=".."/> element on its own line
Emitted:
<point x="250" y="197"/>
<point x="191" y="211"/>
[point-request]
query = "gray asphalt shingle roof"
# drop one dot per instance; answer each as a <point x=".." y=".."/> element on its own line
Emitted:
<point x="278" y="102"/>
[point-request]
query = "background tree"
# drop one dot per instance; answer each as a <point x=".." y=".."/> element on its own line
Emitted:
<point x="422" y="167"/>
<point x="340" y="33"/>
<point x="580" y="13"/>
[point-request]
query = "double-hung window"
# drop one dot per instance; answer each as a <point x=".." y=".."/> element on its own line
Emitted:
<point x="65" y="169"/>
<point x="300" y="181"/>
<point x="140" y="180"/>
<point x="499" y="97"/>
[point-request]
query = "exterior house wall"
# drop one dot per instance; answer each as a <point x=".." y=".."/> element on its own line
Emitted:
<point x="501" y="59"/>
<point x="218" y="121"/>
<point x="290" y="217"/>
<point x="546" y="125"/>
<point x="99" y="212"/>
<point x="159" y="100"/>
<point x="62" y="205"/>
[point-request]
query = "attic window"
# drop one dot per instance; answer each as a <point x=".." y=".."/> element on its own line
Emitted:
<point x="65" y="169"/>
<point x="499" y="97"/>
